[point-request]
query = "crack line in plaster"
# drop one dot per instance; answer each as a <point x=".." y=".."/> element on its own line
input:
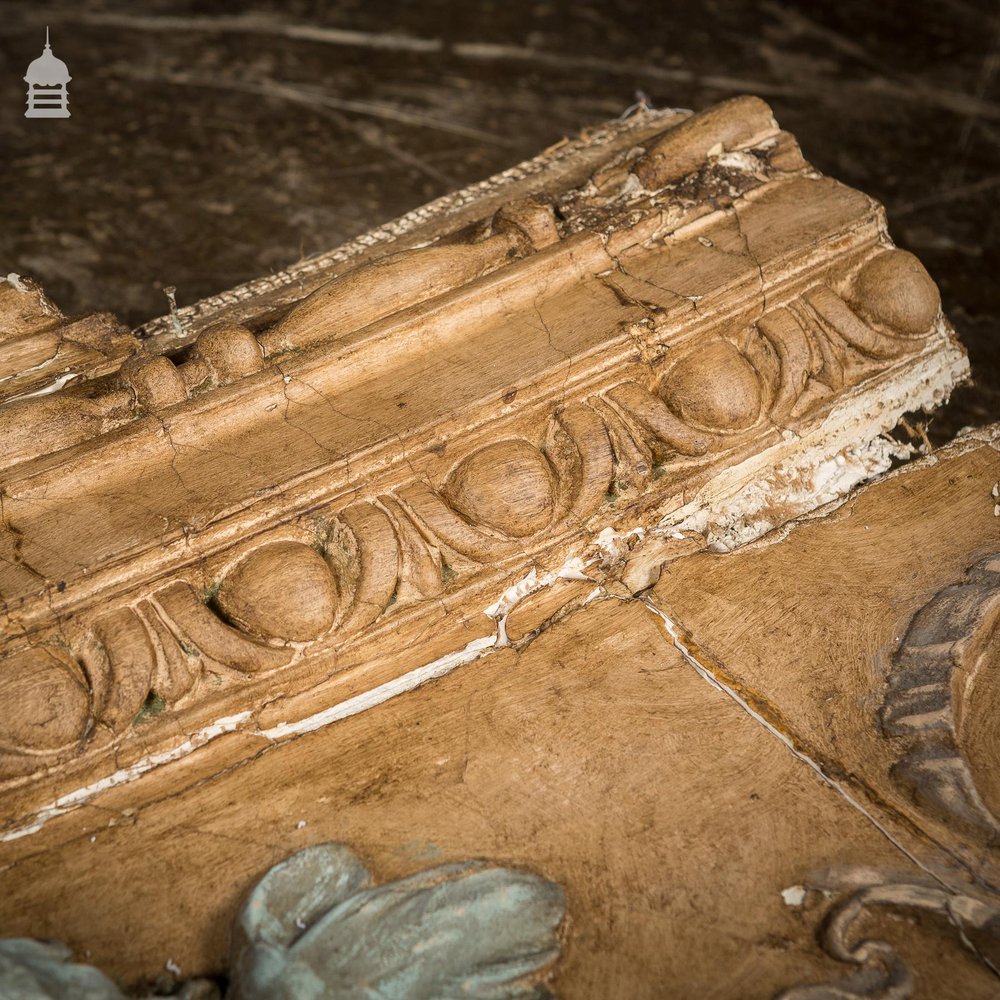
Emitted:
<point x="676" y="634"/>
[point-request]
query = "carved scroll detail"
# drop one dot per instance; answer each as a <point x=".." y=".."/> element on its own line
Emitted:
<point x="881" y="973"/>
<point x="944" y="662"/>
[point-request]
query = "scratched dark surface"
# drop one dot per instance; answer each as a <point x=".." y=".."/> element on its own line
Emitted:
<point x="214" y="142"/>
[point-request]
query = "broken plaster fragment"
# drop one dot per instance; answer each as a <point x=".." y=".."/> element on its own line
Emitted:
<point x="794" y="895"/>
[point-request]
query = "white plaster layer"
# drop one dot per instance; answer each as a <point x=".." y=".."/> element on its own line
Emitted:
<point x="54" y="386"/>
<point x="72" y="800"/>
<point x="808" y="471"/>
<point x="377" y="695"/>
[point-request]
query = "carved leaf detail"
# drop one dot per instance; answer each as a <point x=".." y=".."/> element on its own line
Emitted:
<point x="125" y="642"/>
<point x="374" y="572"/>
<point x="462" y="929"/>
<point x="210" y="635"/>
<point x="585" y="465"/>
<point x="658" y="419"/>
<point x="36" y="970"/>
<point x="946" y="638"/>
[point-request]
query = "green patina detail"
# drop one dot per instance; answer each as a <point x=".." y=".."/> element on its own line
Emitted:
<point x="152" y="706"/>
<point x="188" y="648"/>
<point x="43" y="970"/>
<point x="213" y="589"/>
<point x="325" y="532"/>
<point x="459" y="929"/>
<point x="447" y="573"/>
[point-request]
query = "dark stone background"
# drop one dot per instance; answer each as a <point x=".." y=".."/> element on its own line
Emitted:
<point x="214" y="142"/>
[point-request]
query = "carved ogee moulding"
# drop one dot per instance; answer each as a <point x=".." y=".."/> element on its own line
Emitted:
<point x="665" y="319"/>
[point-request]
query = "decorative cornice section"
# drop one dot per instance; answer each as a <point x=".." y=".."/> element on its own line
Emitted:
<point x="421" y="429"/>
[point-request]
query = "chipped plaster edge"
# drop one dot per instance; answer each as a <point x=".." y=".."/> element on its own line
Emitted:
<point x="819" y="469"/>
<point x="80" y="796"/>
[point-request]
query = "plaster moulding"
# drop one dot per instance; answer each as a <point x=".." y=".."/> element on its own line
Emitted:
<point x="287" y="503"/>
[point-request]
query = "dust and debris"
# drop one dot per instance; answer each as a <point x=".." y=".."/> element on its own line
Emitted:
<point x="175" y="321"/>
